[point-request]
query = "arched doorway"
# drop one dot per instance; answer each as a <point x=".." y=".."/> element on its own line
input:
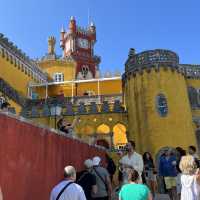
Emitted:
<point x="119" y="135"/>
<point x="86" y="132"/>
<point x="103" y="136"/>
<point x="103" y="129"/>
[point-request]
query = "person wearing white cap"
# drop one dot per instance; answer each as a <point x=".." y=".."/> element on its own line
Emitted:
<point x="87" y="180"/>
<point x="104" y="187"/>
<point x="67" y="189"/>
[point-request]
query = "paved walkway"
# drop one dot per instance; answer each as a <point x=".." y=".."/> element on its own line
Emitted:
<point x="162" y="197"/>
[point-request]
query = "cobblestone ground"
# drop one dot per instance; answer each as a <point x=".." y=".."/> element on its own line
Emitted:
<point x="161" y="197"/>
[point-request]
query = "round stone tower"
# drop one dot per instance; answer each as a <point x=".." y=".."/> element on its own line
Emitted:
<point x="157" y="101"/>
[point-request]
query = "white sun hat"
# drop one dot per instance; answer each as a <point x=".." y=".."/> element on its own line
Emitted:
<point x="96" y="160"/>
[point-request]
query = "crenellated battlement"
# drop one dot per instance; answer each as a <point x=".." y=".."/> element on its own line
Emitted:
<point x="15" y="55"/>
<point x="151" y="58"/>
<point x="191" y="71"/>
<point x="154" y="59"/>
<point x="84" y="31"/>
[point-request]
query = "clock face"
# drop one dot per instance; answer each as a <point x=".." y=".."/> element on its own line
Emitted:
<point x="83" y="43"/>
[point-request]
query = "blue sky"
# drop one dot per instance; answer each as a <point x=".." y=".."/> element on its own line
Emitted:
<point x="121" y="24"/>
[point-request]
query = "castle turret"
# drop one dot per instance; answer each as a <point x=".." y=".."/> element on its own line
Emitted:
<point x="92" y="29"/>
<point x="72" y="25"/>
<point x="156" y="96"/>
<point x="51" y="45"/>
<point x="78" y="44"/>
<point x="62" y="37"/>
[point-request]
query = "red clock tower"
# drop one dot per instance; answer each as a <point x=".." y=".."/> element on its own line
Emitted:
<point x="78" y="43"/>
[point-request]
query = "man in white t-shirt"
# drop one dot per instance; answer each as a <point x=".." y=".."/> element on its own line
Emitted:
<point x="73" y="191"/>
<point x="132" y="159"/>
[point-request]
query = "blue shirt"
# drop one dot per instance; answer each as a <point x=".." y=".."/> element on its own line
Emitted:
<point x="167" y="167"/>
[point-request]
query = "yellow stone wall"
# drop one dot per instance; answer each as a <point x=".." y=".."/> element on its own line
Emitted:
<point x="151" y="131"/>
<point x="57" y="66"/>
<point x="16" y="76"/>
<point x="195" y="83"/>
<point x="54" y="90"/>
<point x="100" y="124"/>
<point x="54" y="66"/>
<point x="105" y="88"/>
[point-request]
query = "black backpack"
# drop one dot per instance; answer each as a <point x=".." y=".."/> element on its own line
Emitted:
<point x="111" y="167"/>
<point x="197" y="161"/>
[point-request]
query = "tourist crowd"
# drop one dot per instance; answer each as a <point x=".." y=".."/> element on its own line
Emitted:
<point x="174" y="172"/>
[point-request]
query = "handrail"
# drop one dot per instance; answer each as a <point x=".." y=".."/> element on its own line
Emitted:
<point x="11" y="93"/>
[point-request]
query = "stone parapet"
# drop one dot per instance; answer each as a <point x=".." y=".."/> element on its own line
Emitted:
<point x="154" y="59"/>
<point x="151" y="58"/>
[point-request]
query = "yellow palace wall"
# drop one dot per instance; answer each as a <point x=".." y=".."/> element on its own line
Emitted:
<point x="195" y="84"/>
<point x="101" y="124"/>
<point x="54" y="66"/>
<point x="105" y="88"/>
<point x="16" y="77"/>
<point x="151" y="131"/>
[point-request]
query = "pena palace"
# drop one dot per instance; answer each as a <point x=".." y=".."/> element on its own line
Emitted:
<point x="155" y="102"/>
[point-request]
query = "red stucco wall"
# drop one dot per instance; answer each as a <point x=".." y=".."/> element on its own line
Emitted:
<point x="32" y="159"/>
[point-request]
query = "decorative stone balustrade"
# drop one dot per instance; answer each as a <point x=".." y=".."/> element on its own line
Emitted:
<point x="191" y="71"/>
<point x="11" y="93"/>
<point x="43" y="109"/>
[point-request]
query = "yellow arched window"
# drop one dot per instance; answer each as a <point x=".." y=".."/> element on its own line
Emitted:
<point x="119" y="135"/>
<point x="103" y="129"/>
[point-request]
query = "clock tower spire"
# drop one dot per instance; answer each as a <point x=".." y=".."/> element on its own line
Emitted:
<point x="78" y="43"/>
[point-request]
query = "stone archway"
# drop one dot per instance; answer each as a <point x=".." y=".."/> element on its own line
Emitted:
<point x="104" y="135"/>
<point x="119" y="134"/>
<point x="86" y="133"/>
<point x="103" y="129"/>
<point x="161" y="152"/>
